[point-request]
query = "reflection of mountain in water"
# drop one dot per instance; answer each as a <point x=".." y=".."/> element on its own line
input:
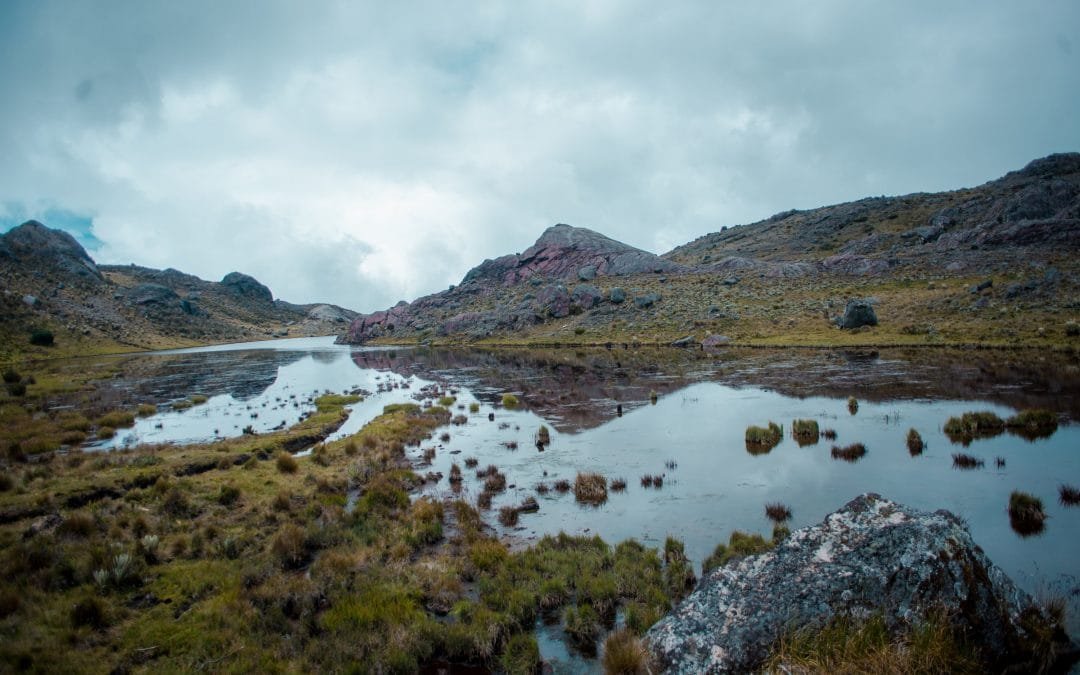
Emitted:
<point x="244" y="374"/>
<point x="580" y="389"/>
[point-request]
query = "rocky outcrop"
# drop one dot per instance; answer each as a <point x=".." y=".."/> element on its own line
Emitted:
<point x="857" y="313"/>
<point x="34" y="244"/>
<point x="573" y="254"/>
<point x="247" y="286"/>
<point x="872" y="556"/>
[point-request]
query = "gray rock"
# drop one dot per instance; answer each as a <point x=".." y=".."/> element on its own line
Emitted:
<point x="554" y="301"/>
<point x="586" y="296"/>
<point x="646" y="301"/>
<point x="152" y="294"/>
<point x="247" y="286"/>
<point x="1052" y="275"/>
<point x="982" y="286"/>
<point x="617" y="296"/>
<point x="731" y="281"/>
<point x="30" y="301"/>
<point x="872" y="556"/>
<point x="714" y="342"/>
<point x="687" y="341"/>
<point x="954" y="266"/>
<point x="587" y="273"/>
<point x="1013" y="290"/>
<point x="858" y="313"/>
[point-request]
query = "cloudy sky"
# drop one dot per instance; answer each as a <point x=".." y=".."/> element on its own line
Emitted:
<point x="363" y="153"/>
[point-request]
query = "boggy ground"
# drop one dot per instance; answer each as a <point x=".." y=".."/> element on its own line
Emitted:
<point x="237" y="556"/>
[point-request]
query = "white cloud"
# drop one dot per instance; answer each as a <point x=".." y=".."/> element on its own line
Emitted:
<point x="363" y="154"/>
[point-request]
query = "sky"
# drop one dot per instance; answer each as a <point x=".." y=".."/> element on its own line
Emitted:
<point x="363" y="153"/>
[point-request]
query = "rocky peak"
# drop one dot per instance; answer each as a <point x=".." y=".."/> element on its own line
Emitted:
<point x="247" y="286"/>
<point x="571" y="253"/>
<point x="34" y="241"/>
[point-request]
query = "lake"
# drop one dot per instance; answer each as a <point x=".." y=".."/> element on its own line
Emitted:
<point x="628" y="412"/>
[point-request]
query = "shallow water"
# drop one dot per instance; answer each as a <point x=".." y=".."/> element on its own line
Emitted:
<point x="702" y="408"/>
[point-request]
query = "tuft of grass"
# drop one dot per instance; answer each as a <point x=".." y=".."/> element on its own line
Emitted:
<point x="961" y="460"/>
<point x="510" y="401"/>
<point x="1068" y="495"/>
<point x="849" y="453"/>
<point x="760" y="440"/>
<point x="105" y="433"/>
<point x="805" y="432"/>
<point x="447" y="401"/>
<point x="740" y="545"/>
<point x="847" y="645"/>
<point x="286" y="463"/>
<point x="852" y="405"/>
<point x="1033" y="424"/>
<point x="508" y="516"/>
<point x="915" y="444"/>
<point x="973" y="425"/>
<point x="625" y="654"/>
<point x="590" y="488"/>
<point x="778" y="512"/>
<point x="618" y="484"/>
<point x="543" y="436"/>
<point x="1026" y="515"/>
<point x="146" y="410"/>
<point x="562" y="486"/>
<point x="828" y="434"/>
<point x="474" y="407"/>
<point x="521" y="654"/>
<point x="582" y="625"/>
<point x="117" y="419"/>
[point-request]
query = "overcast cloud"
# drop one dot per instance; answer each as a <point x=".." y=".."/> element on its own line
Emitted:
<point x="363" y="153"/>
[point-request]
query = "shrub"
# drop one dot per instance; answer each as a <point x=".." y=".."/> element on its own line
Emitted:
<point x="624" y="653"/>
<point x="510" y="401"/>
<point x="474" y="407"/>
<point x="1026" y="515"/>
<point x="11" y="376"/>
<point x="290" y="546"/>
<point x="105" y="433"/>
<point x="849" y="453"/>
<point x="446" y="401"/>
<point x="286" y="463"/>
<point x="915" y="444"/>
<point x="1032" y="424"/>
<point x="91" y="612"/>
<point x="117" y="419"/>
<point x="1072" y="329"/>
<point x="590" y="488"/>
<point x="16" y="388"/>
<point x="78" y="524"/>
<point x="508" y="515"/>
<point x="42" y="338"/>
<point x="228" y="495"/>
<point x="5" y="482"/>
<point x="582" y="624"/>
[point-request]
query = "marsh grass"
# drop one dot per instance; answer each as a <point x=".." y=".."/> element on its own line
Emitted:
<point x="852" y="405"/>
<point x="828" y="434"/>
<point x="961" y="460"/>
<point x="625" y="654"/>
<point x="543" y="436"/>
<point x="778" y="512"/>
<point x="849" y="453"/>
<point x="973" y="425"/>
<point x="562" y="486"/>
<point x="1032" y="424"/>
<point x="915" y="444"/>
<point x="510" y="401"/>
<point x="590" y="488"/>
<point x="805" y="432"/>
<point x="618" y="484"/>
<point x="761" y="440"/>
<point x="1068" y="495"/>
<point x="740" y="544"/>
<point x="852" y="646"/>
<point x="1026" y="515"/>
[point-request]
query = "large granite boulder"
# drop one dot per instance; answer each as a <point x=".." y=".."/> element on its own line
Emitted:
<point x="247" y="286"/>
<point x="857" y="313"/>
<point x="872" y="556"/>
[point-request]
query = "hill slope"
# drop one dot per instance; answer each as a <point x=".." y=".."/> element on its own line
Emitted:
<point x="994" y="264"/>
<point x="50" y="282"/>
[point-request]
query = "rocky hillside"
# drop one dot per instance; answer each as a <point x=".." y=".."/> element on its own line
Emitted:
<point x="51" y="283"/>
<point x="994" y="264"/>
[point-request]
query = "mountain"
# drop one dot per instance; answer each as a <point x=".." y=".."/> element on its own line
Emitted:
<point x="50" y="282"/>
<point x="993" y="264"/>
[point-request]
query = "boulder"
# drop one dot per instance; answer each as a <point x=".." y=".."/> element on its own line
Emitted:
<point x="554" y="301"/>
<point x="152" y="294"/>
<point x="646" y="301"/>
<point x="873" y="556"/>
<point x="587" y="273"/>
<point x="686" y="341"/>
<point x="586" y="296"/>
<point x="616" y="296"/>
<point x="715" y="342"/>
<point x="857" y="313"/>
<point x="247" y="286"/>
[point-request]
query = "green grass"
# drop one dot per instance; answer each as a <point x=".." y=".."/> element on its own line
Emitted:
<point x="973" y="425"/>
<point x="760" y="440"/>
<point x="740" y="544"/>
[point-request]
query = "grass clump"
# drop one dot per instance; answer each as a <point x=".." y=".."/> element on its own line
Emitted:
<point x="117" y="419"/>
<point x="1026" y="515"/>
<point x="805" y="432"/>
<point x="510" y="401"/>
<point x="625" y="654"/>
<point x="521" y="654"/>
<point x="286" y="463"/>
<point x="474" y="407"/>
<point x="740" y="545"/>
<point x="760" y="440"/>
<point x="778" y="512"/>
<point x="849" y="453"/>
<point x="1033" y="424"/>
<point x="446" y="401"/>
<point x="973" y="425"/>
<point x="847" y="645"/>
<point x="915" y="444"/>
<point x="543" y="436"/>
<point x="590" y="488"/>
<point x="146" y="410"/>
<point x="961" y="460"/>
<point x="852" y="405"/>
<point x="828" y="434"/>
<point x="1069" y="495"/>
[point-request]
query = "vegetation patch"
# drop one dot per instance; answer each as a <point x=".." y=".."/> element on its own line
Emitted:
<point x="761" y="440"/>
<point x="973" y="425"/>
<point x="1033" y="424"/>
<point x="778" y="512"/>
<point x="915" y="444"/>
<point x="805" y="432"/>
<point x="961" y="460"/>
<point x="740" y="544"/>
<point x="510" y="401"/>
<point x="1026" y="515"/>
<point x="1069" y="495"/>
<point x="849" y="453"/>
<point x="590" y="488"/>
